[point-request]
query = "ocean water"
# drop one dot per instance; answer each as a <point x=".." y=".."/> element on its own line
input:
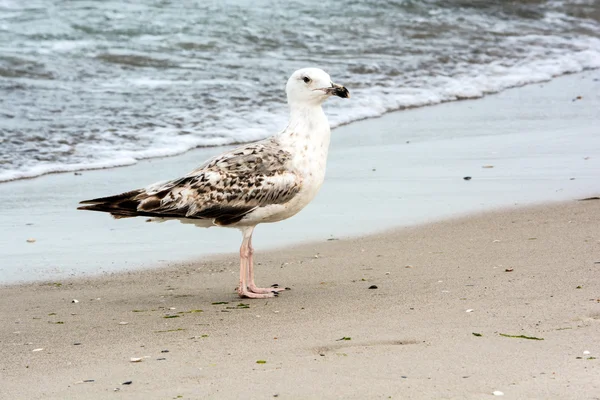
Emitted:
<point x="92" y="84"/>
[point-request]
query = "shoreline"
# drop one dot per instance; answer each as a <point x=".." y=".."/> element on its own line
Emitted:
<point x="529" y="271"/>
<point x="403" y="169"/>
<point x="73" y="168"/>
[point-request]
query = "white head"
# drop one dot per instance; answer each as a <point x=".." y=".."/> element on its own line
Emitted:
<point x="312" y="86"/>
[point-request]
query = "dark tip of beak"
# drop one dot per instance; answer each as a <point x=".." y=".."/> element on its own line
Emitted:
<point x="342" y="92"/>
<point x="338" y="90"/>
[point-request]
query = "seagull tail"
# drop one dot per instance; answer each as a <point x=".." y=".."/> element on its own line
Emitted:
<point x="122" y="205"/>
<point x="115" y="198"/>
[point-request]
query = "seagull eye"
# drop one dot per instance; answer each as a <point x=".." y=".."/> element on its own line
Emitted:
<point x="306" y="79"/>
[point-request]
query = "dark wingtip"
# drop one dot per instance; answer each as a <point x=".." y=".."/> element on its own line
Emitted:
<point x="95" y="207"/>
<point x="114" y="198"/>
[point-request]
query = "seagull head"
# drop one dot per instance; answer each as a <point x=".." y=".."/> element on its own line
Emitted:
<point x="312" y="85"/>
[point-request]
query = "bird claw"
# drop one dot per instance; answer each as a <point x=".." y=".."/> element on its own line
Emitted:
<point x="272" y="289"/>
<point x="251" y="295"/>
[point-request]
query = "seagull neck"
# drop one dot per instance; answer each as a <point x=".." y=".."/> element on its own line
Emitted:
<point x="307" y="118"/>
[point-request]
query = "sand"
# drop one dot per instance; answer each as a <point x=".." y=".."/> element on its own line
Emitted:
<point x="515" y="249"/>
<point x="531" y="271"/>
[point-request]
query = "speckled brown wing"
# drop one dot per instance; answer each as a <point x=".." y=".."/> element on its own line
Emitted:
<point x="224" y="189"/>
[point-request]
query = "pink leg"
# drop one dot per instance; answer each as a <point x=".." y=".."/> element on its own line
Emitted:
<point x="245" y="259"/>
<point x="251" y="285"/>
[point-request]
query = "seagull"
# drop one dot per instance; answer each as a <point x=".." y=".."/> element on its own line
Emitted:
<point x="266" y="181"/>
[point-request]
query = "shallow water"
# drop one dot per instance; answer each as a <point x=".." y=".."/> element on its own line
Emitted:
<point x="86" y="84"/>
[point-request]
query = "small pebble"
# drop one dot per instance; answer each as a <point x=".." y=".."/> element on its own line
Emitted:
<point x="586" y="352"/>
<point x="40" y="349"/>
<point x="497" y="393"/>
<point x="509" y="270"/>
<point x="373" y="287"/>
<point x="161" y="359"/>
<point x="164" y="351"/>
<point x="30" y="240"/>
<point x="74" y="301"/>
<point x="127" y="383"/>
<point x="123" y="323"/>
<point x="469" y="310"/>
<point x="135" y="359"/>
<point x="467" y="178"/>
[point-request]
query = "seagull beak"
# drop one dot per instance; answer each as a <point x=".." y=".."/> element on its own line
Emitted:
<point x="337" y="90"/>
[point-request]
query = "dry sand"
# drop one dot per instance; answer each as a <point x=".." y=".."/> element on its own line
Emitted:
<point x="523" y="271"/>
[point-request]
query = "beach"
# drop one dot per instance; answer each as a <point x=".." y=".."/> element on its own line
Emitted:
<point x="483" y="286"/>
<point x="453" y="251"/>
<point x="529" y="145"/>
<point x="504" y="301"/>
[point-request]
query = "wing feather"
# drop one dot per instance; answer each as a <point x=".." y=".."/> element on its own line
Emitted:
<point x="224" y="189"/>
